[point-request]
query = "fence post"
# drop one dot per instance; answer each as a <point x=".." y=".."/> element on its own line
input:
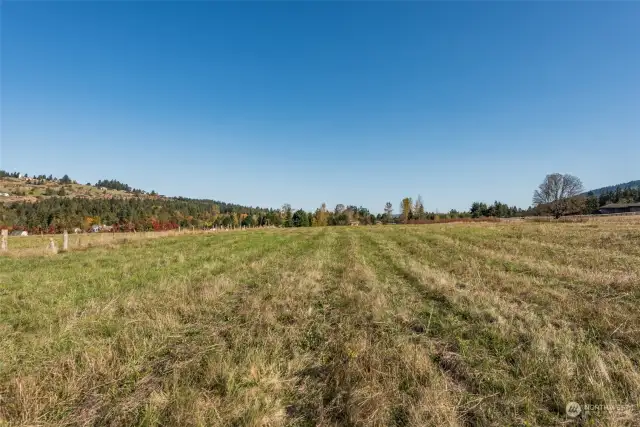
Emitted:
<point x="5" y="233"/>
<point x="65" y="241"/>
<point x="52" y="246"/>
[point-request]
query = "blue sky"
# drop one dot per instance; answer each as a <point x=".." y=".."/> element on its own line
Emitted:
<point x="303" y="103"/>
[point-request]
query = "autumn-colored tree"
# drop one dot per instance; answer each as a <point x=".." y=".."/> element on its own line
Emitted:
<point x="406" y="209"/>
<point x="320" y="218"/>
<point x="87" y="222"/>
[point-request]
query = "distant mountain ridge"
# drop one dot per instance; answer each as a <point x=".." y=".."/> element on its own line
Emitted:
<point x="612" y="188"/>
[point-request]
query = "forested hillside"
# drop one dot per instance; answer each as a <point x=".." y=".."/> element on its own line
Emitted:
<point x="590" y="203"/>
<point x="50" y="205"/>
<point x="612" y="188"/>
<point x="47" y="204"/>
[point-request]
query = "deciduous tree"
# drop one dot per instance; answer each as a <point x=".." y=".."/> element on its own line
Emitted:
<point x="321" y="216"/>
<point x="555" y="191"/>
<point x="406" y="209"/>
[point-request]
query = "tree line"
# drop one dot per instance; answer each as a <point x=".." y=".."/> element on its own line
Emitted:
<point x="114" y="184"/>
<point x="56" y="214"/>
<point x="37" y="179"/>
<point x="557" y="195"/>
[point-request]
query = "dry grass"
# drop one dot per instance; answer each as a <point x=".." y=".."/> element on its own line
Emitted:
<point x="457" y="324"/>
<point x="39" y="244"/>
<point x="32" y="192"/>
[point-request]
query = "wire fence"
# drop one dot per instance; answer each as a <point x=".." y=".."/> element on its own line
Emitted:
<point x="44" y="244"/>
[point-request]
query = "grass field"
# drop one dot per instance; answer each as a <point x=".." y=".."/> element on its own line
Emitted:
<point x="39" y="244"/>
<point x="467" y="324"/>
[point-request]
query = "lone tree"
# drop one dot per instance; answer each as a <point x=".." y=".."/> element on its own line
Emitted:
<point x="556" y="190"/>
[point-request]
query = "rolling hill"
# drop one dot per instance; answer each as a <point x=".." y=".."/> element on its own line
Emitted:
<point x="50" y="205"/>
<point x="30" y="190"/>
<point x="612" y="188"/>
<point x="23" y="189"/>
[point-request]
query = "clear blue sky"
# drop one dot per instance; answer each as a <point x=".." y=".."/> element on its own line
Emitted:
<point x="356" y="103"/>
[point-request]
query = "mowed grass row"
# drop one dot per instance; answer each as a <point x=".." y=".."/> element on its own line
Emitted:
<point x="459" y="324"/>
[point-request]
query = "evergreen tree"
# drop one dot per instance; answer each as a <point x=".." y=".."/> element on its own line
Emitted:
<point x="287" y="215"/>
<point x="300" y="219"/>
<point x="388" y="212"/>
<point x="418" y="210"/>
